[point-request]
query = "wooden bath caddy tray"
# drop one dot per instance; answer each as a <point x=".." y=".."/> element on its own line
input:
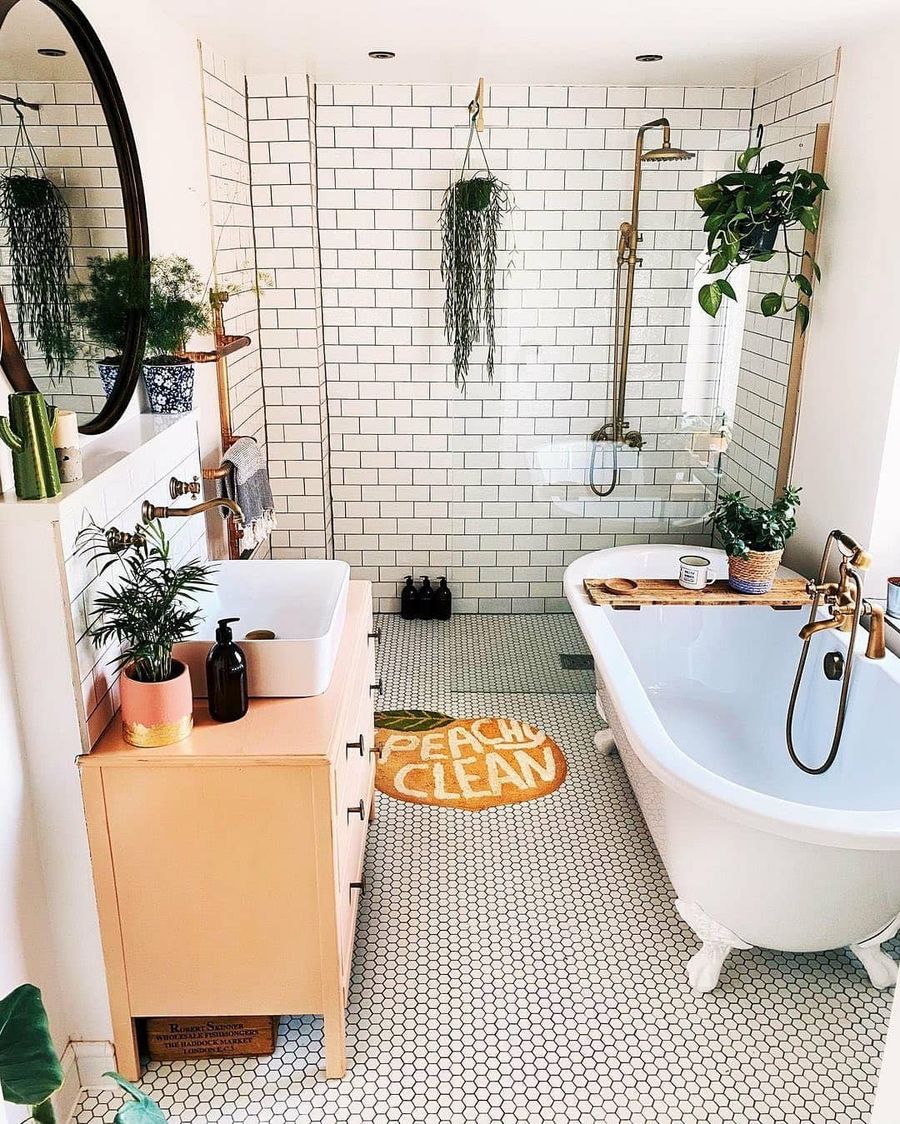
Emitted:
<point x="786" y="593"/>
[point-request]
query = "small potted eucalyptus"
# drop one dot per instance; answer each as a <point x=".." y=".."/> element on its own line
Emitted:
<point x="754" y="537"/>
<point x="178" y="309"/>
<point x="116" y="286"/>
<point x="150" y="606"/>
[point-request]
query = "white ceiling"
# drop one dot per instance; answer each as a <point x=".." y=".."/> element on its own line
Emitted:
<point x="533" y="41"/>
<point x="29" y="25"/>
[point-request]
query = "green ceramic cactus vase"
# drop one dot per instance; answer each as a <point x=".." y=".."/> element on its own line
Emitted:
<point x="27" y="432"/>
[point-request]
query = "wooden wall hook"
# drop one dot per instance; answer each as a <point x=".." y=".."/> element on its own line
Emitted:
<point x="476" y="107"/>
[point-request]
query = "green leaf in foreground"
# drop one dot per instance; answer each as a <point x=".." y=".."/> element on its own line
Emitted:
<point x="140" y="1109"/>
<point x="726" y="289"/>
<point x="29" y="1068"/>
<point x="803" y="316"/>
<point x="411" y="721"/>
<point x="710" y="297"/>
<point x="770" y="305"/>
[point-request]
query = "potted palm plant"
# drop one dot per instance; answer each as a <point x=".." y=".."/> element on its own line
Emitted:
<point x="30" y="1072"/>
<point x="178" y="309"/>
<point x="116" y="286"/>
<point x="147" y="609"/>
<point x="754" y="537"/>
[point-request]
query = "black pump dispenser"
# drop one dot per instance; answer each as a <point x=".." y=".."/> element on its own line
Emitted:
<point x="226" y="676"/>
<point x="409" y="601"/>
<point x="443" y="600"/>
<point x="426" y="601"/>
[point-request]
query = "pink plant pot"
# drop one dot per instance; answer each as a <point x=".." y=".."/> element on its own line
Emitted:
<point x="157" y="713"/>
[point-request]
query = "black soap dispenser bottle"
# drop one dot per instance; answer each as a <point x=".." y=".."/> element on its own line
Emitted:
<point x="426" y="601"/>
<point x="226" y="676"/>
<point x="443" y="600"/>
<point x="409" y="601"/>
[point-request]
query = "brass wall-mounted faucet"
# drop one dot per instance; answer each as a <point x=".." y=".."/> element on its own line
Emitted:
<point x="150" y="511"/>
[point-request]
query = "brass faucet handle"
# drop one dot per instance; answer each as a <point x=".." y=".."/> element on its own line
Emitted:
<point x="184" y="487"/>
<point x="117" y="540"/>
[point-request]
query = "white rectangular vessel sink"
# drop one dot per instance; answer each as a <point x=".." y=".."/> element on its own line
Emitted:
<point x="303" y="602"/>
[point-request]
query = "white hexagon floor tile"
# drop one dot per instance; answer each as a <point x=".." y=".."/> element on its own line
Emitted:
<point x="525" y="963"/>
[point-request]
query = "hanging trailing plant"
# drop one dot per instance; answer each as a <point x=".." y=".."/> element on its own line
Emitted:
<point x="38" y="228"/>
<point x="471" y="218"/>
<point x="746" y="213"/>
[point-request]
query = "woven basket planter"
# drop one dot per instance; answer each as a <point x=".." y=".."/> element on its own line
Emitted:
<point x="756" y="572"/>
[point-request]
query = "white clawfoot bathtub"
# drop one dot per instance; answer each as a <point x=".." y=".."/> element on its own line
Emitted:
<point x="759" y="853"/>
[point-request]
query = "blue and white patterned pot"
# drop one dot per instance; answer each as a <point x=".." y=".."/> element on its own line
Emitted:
<point x="170" y="387"/>
<point x="109" y="373"/>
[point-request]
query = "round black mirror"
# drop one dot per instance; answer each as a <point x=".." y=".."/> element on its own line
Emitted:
<point x="74" y="245"/>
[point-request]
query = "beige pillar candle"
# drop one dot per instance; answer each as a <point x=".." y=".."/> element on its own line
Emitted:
<point x="67" y="442"/>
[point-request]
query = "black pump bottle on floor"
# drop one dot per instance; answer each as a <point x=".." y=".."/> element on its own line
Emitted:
<point x="409" y="601"/>
<point x="226" y="676"/>
<point x="426" y="601"/>
<point x="443" y="600"/>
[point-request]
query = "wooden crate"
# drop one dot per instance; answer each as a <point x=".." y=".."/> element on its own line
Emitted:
<point x="219" y="1036"/>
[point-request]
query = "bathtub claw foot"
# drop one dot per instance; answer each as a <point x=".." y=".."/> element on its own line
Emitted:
<point x="881" y="968"/>
<point x="705" y="966"/>
<point x="605" y="742"/>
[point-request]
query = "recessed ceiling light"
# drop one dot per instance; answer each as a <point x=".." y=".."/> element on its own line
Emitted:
<point x="382" y="55"/>
<point x="52" y="52"/>
<point x="648" y="58"/>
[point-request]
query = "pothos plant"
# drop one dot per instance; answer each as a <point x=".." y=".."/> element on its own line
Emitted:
<point x="30" y="1072"/>
<point x="747" y="213"/>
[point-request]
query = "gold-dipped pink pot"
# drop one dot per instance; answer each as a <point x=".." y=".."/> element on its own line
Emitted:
<point x="156" y="714"/>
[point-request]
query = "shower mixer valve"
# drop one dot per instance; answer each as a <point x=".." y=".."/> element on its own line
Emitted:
<point x="619" y="431"/>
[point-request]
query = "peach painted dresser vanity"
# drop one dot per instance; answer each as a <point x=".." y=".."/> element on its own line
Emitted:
<point x="228" y="867"/>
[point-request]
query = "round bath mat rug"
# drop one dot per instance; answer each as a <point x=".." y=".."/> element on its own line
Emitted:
<point x="470" y="763"/>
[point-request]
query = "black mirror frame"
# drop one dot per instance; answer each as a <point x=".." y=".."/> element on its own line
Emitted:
<point x="109" y="94"/>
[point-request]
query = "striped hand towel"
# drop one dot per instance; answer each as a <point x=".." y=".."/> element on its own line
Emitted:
<point x="248" y="485"/>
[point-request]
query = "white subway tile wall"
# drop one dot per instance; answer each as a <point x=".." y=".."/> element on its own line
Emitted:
<point x="114" y="500"/>
<point x="789" y="108"/>
<point x="228" y="163"/>
<point x="375" y="455"/>
<point x="283" y="159"/>
<point x="72" y="142"/>
<point x="427" y="481"/>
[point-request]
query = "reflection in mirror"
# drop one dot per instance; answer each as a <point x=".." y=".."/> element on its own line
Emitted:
<point x="62" y="135"/>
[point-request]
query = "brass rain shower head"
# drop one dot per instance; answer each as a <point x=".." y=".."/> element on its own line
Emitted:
<point x="667" y="152"/>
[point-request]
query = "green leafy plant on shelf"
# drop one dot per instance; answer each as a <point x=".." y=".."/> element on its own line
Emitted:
<point x="30" y="1072"/>
<point x="178" y="308"/>
<point x="746" y="214"/>
<point x="151" y="606"/>
<point x="116" y="287"/>
<point x="743" y="528"/>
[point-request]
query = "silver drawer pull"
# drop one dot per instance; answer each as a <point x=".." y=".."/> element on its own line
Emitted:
<point x="378" y="687"/>
<point x="357" y="810"/>
<point x="360" y="885"/>
<point x="375" y="751"/>
<point x="359" y="744"/>
<point x="375" y="634"/>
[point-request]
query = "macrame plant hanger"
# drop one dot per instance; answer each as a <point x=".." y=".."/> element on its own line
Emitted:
<point x="471" y="217"/>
